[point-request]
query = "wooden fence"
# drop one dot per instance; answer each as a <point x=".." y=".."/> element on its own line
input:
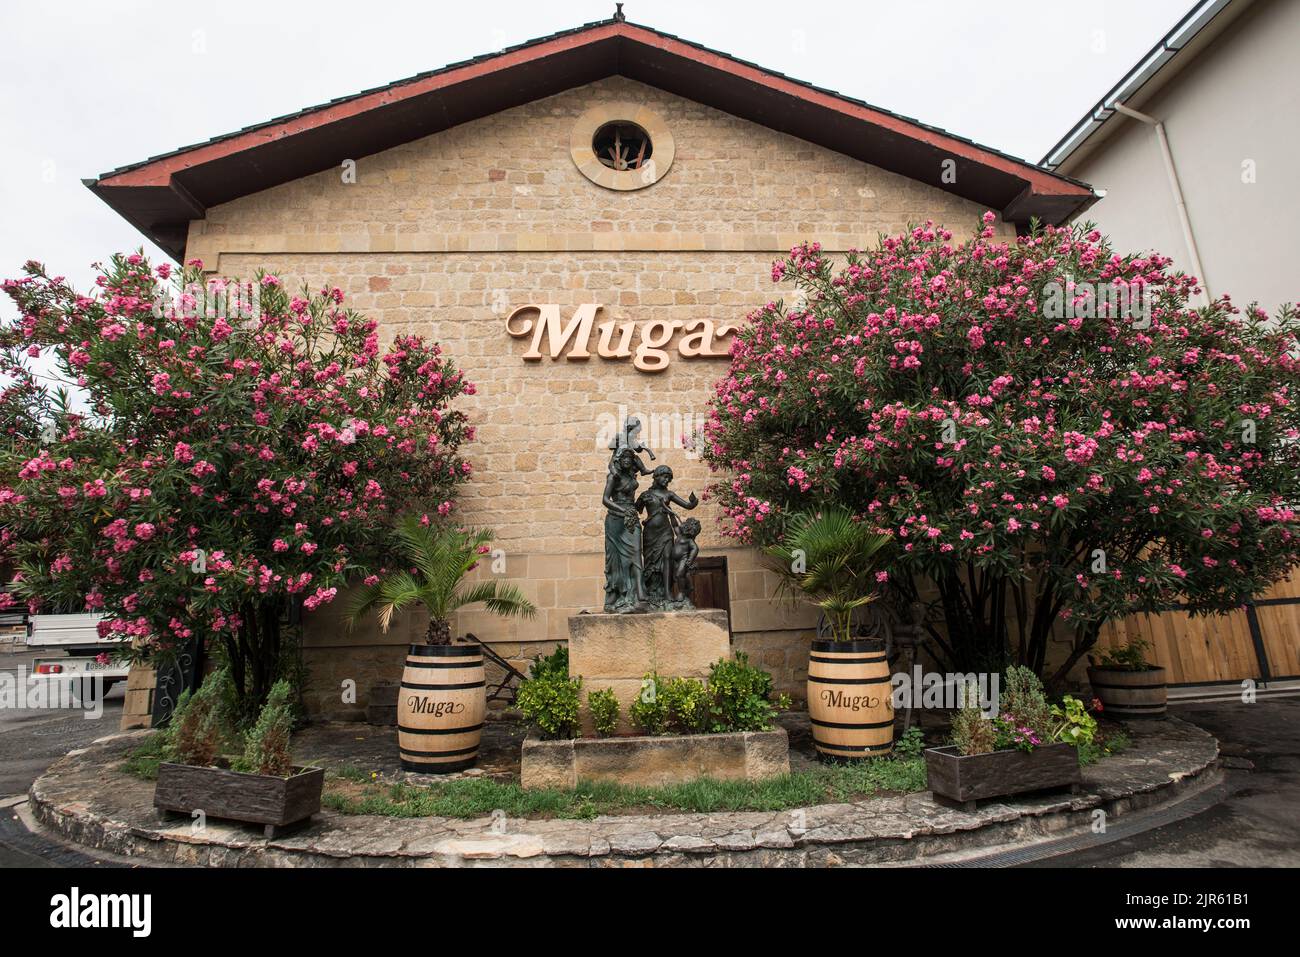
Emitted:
<point x="1260" y="640"/>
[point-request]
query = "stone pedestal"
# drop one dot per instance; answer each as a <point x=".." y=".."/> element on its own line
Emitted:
<point x="618" y="651"/>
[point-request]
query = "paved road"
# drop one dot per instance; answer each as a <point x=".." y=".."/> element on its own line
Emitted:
<point x="31" y="739"/>
<point x="1256" y="826"/>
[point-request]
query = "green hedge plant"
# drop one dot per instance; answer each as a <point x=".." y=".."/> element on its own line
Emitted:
<point x="604" y="707"/>
<point x="266" y="747"/>
<point x="551" y="704"/>
<point x="742" y="697"/>
<point x="649" y="712"/>
<point x="687" y="701"/>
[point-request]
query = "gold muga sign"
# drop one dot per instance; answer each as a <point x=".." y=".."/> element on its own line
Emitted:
<point x="644" y="343"/>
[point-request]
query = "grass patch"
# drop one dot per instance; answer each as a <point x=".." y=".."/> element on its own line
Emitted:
<point x="351" y="791"/>
<point x="1109" y="741"/>
<point x="143" y="762"/>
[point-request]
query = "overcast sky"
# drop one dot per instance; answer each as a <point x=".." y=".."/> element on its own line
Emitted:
<point x="86" y="87"/>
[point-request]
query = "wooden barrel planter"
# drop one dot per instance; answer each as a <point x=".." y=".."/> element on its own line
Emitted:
<point x="440" y="708"/>
<point x="1130" y="694"/>
<point x="849" y="700"/>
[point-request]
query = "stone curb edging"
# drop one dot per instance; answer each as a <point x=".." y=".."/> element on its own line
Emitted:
<point x="84" y="798"/>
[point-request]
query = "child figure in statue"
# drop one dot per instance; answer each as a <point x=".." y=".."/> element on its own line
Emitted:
<point x="685" y="551"/>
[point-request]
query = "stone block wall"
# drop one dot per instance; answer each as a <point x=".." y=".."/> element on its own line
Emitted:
<point x="446" y="235"/>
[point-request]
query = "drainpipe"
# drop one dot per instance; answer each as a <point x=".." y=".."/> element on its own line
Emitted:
<point x="1172" y="174"/>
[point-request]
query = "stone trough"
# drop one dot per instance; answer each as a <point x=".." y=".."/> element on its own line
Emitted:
<point x="653" y="762"/>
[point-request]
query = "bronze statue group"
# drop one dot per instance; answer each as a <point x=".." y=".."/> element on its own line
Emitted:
<point x="647" y="564"/>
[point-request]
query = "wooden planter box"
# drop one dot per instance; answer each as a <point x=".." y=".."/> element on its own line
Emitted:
<point x="272" y="802"/>
<point x="965" y="779"/>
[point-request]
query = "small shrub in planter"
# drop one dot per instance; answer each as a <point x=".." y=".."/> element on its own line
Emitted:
<point x="688" y="703"/>
<point x="262" y="786"/>
<point x="649" y="712"/>
<point x="742" y="697"/>
<point x="736" y="697"/>
<point x="604" y="707"/>
<point x="1127" y="684"/>
<point x="1029" y="746"/>
<point x="266" y="748"/>
<point x="556" y="664"/>
<point x="551" y="702"/>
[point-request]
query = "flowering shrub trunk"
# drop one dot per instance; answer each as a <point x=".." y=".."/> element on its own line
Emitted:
<point x="1046" y="428"/>
<point x="229" y="467"/>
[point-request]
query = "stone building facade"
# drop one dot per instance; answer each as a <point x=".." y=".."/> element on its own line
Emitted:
<point x="453" y="234"/>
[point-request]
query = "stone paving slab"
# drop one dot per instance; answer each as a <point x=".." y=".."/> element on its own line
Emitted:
<point x="85" y="798"/>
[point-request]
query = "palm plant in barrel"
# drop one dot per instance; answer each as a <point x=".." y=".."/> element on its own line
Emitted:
<point x="839" y="563"/>
<point x="443" y="699"/>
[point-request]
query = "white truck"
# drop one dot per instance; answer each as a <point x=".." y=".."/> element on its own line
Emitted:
<point x="74" y="647"/>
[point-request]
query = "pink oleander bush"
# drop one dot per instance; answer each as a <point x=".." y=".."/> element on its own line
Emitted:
<point x="227" y="469"/>
<point x="1043" y="456"/>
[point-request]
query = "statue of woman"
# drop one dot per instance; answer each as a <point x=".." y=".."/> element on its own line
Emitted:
<point x="659" y="534"/>
<point x="624" y="581"/>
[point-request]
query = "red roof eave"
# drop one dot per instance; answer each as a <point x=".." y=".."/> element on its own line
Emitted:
<point x="162" y="195"/>
<point x="159" y="172"/>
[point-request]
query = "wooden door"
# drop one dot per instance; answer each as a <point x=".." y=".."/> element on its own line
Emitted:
<point x="710" y="582"/>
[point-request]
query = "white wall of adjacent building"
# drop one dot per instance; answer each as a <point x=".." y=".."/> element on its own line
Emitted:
<point x="1238" y="101"/>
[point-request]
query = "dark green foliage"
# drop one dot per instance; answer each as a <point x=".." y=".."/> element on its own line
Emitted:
<point x="649" y="712"/>
<point x="604" y="707"/>
<point x="556" y="664"/>
<point x="1131" y="656"/>
<point x="687" y="701"/>
<point x="911" y="744"/>
<point x="266" y="748"/>
<point x="198" y="731"/>
<point x="550" y="701"/>
<point x="737" y="697"/>
<point x="742" y="696"/>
